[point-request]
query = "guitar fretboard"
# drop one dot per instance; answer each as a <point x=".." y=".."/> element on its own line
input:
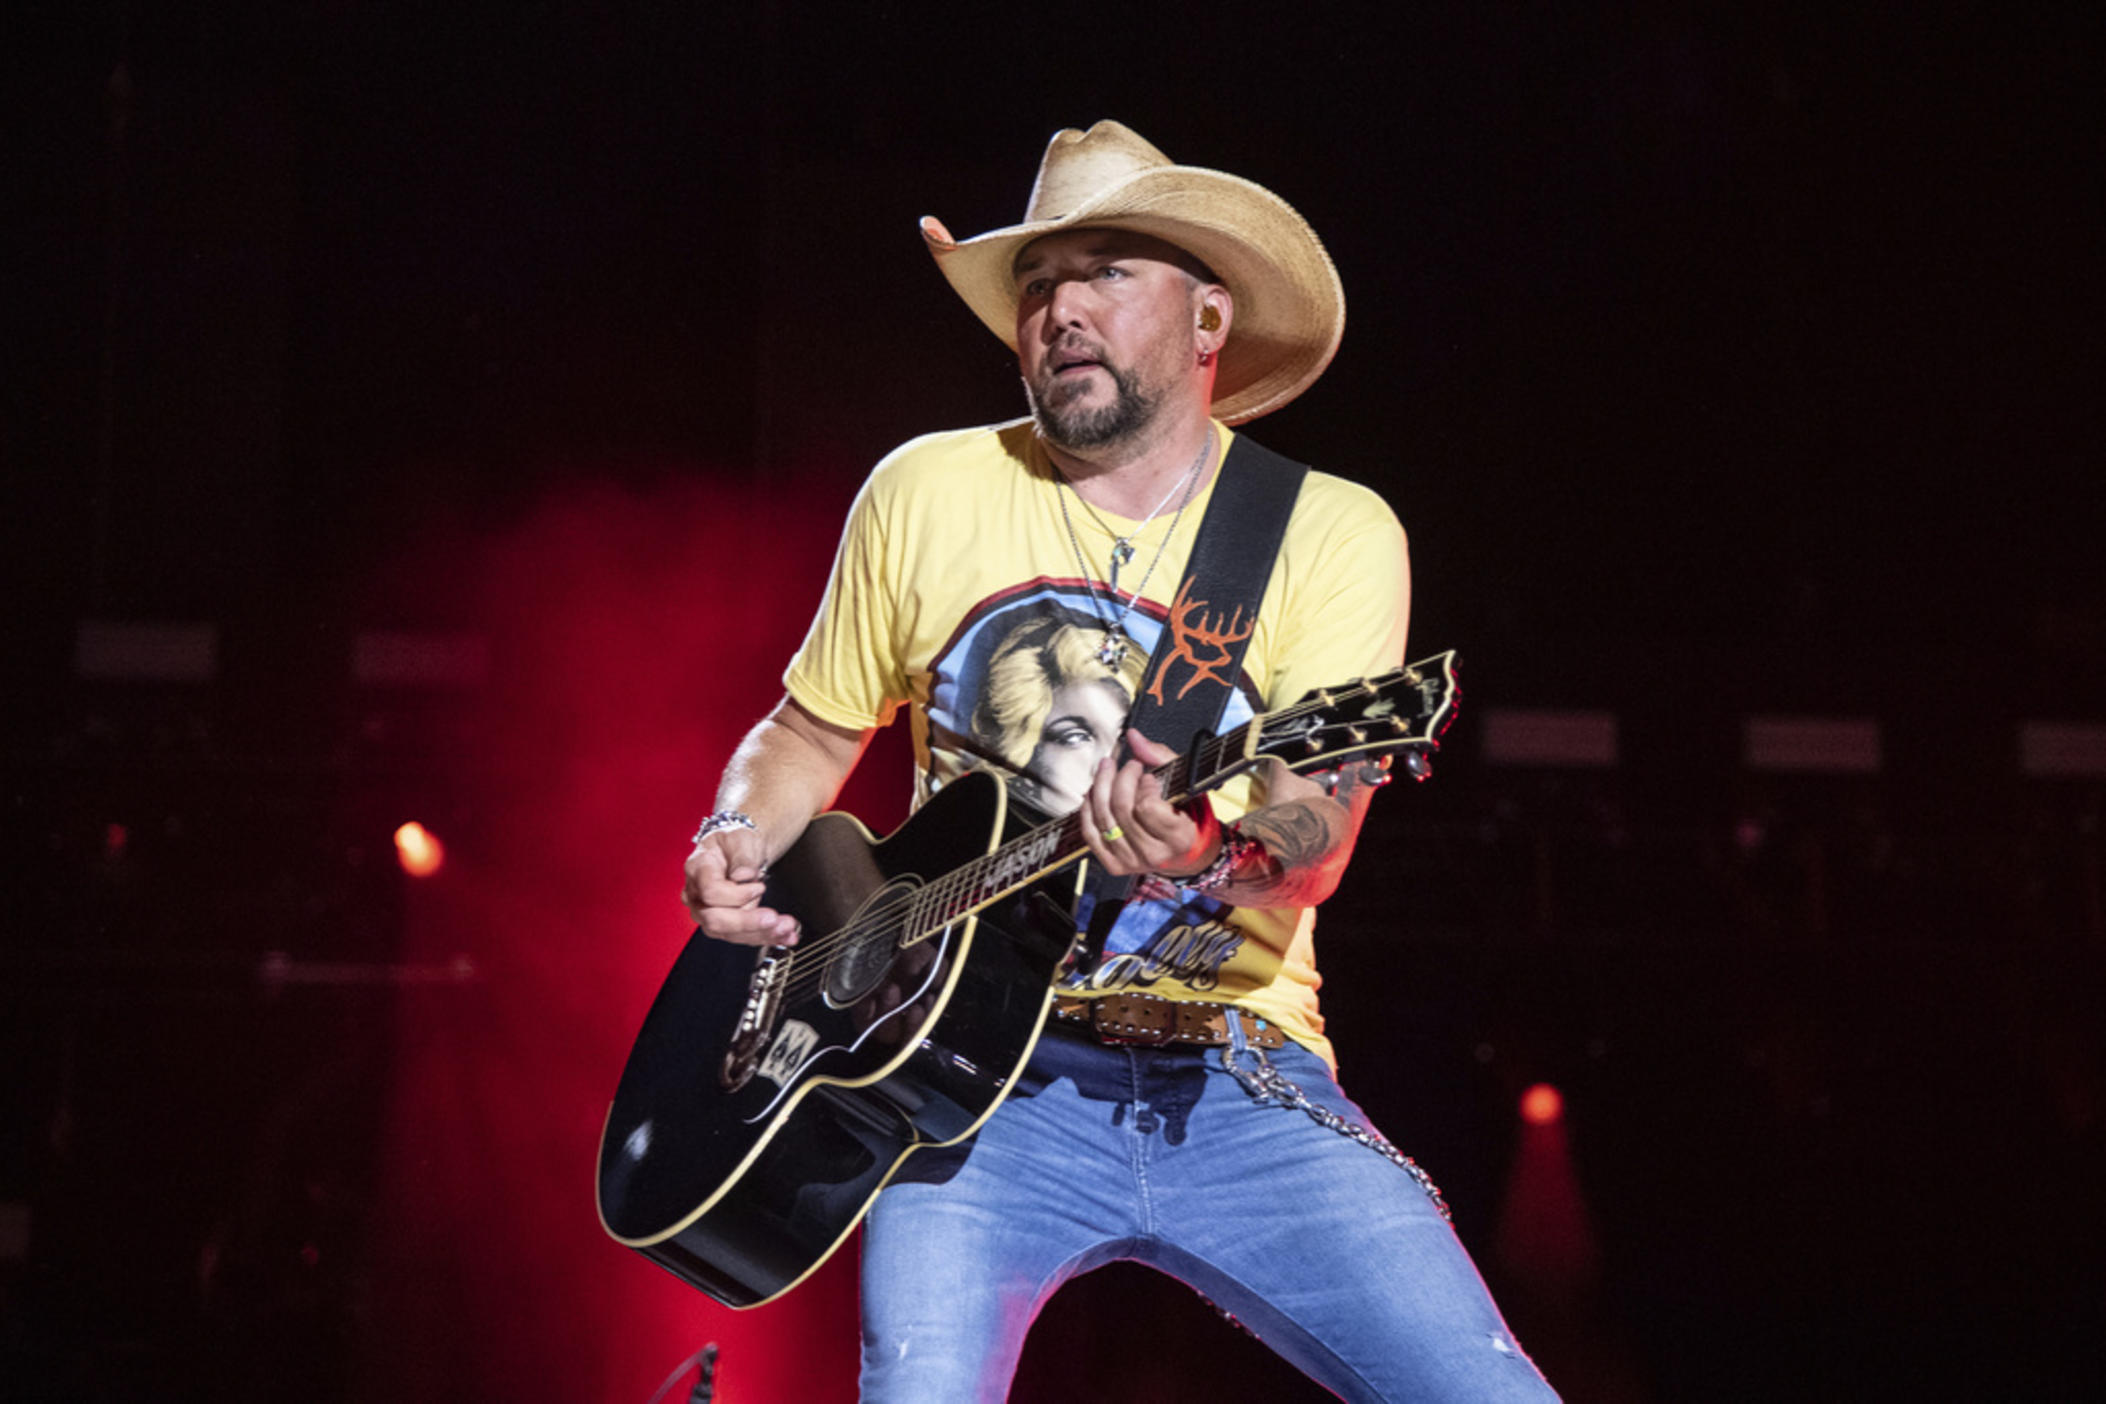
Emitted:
<point x="1059" y="842"/>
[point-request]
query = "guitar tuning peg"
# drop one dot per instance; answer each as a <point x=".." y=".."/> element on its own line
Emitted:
<point x="1417" y="765"/>
<point x="1357" y="733"/>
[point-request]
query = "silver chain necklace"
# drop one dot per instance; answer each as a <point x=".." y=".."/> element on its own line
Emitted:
<point x="1112" y="651"/>
<point x="1122" y="546"/>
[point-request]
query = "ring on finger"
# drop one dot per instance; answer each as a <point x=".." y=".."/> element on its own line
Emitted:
<point x="1114" y="833"/>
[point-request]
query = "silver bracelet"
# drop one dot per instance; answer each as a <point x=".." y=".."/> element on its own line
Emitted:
<point x="724" y="819"/>
<point x="1234" y="849"/>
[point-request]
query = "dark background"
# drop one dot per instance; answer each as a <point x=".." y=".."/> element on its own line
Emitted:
<point x="1722" y="362"/>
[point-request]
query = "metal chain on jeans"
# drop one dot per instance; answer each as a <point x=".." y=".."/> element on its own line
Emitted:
<point x="1267" y="1085"/>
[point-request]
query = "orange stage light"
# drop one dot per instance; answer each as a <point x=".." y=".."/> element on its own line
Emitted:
<point x="419" y="850"/>
<point x="1542" y="1105"/>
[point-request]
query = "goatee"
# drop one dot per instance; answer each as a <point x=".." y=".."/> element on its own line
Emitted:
<point x="1074" y="427"/>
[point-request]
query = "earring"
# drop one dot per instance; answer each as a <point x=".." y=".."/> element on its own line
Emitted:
<point x="1209" y="319"/>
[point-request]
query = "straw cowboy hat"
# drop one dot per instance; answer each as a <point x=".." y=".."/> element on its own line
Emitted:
<point x="1290" y="306"/>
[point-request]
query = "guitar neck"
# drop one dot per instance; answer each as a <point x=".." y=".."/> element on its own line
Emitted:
<point x="1055" y="844"/>
<point x="1404" y="710"/>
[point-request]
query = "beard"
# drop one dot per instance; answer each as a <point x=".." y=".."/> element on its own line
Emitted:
<point x="1073" y="426"/>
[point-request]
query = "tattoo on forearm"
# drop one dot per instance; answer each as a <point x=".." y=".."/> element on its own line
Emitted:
<point x="1293" y="834"/>
<point x="1295" y="840"/>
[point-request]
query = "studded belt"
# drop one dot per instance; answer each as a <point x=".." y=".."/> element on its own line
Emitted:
<point x="1151" y="1019"/>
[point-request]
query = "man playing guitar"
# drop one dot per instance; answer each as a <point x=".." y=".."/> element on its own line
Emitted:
<point x="1007" y="584"/>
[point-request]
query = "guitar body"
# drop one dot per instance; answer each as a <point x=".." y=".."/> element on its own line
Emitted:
<point x="768" y="1099"/>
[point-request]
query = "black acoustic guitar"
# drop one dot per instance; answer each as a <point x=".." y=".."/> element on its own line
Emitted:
<point x="774" y="1090"/>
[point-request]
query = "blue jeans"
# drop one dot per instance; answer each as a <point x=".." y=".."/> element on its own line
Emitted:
<point x="1327" y="1250"/>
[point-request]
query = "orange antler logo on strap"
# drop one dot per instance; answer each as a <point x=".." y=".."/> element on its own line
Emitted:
<point x="1203" y="643"/>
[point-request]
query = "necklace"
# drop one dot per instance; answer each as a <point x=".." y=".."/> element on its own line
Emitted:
<point x="1122" y="546"/>
<point x="1112" y="652"/>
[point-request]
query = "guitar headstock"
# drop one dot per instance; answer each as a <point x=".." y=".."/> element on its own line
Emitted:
<point x="1403" y="711"/>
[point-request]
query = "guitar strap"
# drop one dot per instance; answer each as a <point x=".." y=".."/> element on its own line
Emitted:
<point x="1193" y="671"/>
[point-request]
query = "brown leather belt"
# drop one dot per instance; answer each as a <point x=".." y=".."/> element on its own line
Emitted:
<point x="1151" y="1019"/>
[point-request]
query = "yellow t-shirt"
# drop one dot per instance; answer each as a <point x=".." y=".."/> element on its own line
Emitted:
<point x="957" y="590"/>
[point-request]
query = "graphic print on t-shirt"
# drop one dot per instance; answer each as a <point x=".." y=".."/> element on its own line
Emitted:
<point x="1023" y="689"/>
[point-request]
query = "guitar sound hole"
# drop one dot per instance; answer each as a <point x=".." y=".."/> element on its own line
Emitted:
<point x="869" y="944"/>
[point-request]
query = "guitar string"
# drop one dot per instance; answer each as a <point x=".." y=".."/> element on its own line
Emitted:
<point x="946" y="900"/>
<point x="949" y="894"/>
<point x="941" y="895"/>
<point x="956" y="885"/>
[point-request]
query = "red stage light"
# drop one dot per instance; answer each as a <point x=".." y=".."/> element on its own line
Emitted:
<point x="1542" y="1105"/>
<point x="419" y="850"/>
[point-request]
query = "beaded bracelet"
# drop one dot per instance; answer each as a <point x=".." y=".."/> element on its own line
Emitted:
<point x="1234" y="849"/>
<point x="724" y="819"/>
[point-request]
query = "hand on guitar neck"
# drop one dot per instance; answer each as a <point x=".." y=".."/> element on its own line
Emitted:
<point x="1303" y="832"/>
<point x="1131" y="828"/>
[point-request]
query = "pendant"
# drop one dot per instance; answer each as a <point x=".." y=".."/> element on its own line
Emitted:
<point x="1121" y="553"/>
<point x="1112" y="652"/>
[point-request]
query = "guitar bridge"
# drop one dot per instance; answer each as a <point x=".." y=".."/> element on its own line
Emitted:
<point x="757" y="1020"/>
